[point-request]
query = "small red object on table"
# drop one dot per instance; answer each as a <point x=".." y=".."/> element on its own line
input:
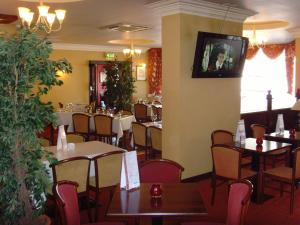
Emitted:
<point x="156" y="191"/>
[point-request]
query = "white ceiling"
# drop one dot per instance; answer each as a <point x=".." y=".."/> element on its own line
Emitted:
<point x="83" y="18"/>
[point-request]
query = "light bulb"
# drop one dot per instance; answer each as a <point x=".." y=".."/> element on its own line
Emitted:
<point x="23" y="11"/>
<point x="43" y="10"/>
<point x="28" y="17"/>
<point x="60" y="14"/>
<point x="50" y="18"/>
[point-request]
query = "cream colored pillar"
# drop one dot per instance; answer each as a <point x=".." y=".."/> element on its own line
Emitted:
<point x="193" y="108"/>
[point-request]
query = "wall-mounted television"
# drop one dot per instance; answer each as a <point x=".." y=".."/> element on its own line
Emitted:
<point x="219" y="55"/>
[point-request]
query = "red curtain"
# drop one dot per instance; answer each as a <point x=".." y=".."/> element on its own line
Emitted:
<point x="251" y="52"/>
<point x="273" y="51"/>
<point x="154" y="70"/>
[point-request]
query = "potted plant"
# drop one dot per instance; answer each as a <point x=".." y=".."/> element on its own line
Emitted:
<point x="119" y="84"/>
<point x="26" y="73"/>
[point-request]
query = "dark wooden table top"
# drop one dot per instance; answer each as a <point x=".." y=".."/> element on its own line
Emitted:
<point x="250" y="145"/>
<point x="285" y="136"/>
<point x="180" y="199"/>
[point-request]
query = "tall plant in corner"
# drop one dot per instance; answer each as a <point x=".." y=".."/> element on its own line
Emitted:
<point x="26" y="73"/>
<point x="119" y="84"/>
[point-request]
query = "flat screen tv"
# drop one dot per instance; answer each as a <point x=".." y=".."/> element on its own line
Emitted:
<point x="219" y="55"/>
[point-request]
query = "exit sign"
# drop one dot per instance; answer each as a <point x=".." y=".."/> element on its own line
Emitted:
<point x="110" y="56"/>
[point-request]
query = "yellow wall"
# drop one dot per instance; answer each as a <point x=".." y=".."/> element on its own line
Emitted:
<point x="75" y="87"/>
<point x="297" y="75"/>
<point x="193" y="108"/>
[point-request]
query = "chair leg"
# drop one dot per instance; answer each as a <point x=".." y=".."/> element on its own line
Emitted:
<point x="292" y="197"/>
<point x="213" y="182"/>
<point x="264" y="162"/>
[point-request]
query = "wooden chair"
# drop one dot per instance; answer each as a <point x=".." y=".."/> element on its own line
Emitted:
<point x="107" y="174"/>
<point x="44" y="142"/>
<point x="160" y="171"/>
<point x="224" y="137"/>
<point x="155" y="140"/>
<point x="140" y="112"/>
<point x="103" y="128"/>
<point x="286" y="175"/>
<point x="81" y="125"/>
<point x="238" y="203"/>
<point x="140" y="141"/>
<point x="258" y="131"/>
<point x="157" y="111"/>
<point x="126" y="112"/>
<point x="67" y="201"/>
<point x="74" y="138"/>
<point x="75" y="169"/>
<point x="227" y="166"/>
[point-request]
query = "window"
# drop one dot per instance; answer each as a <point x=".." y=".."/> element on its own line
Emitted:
<point x="260" y="75"/>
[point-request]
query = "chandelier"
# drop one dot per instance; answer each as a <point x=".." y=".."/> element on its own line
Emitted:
<point x="254" y="41"/>
<point x="132" y="52"/>
<point x="45" y="19"/>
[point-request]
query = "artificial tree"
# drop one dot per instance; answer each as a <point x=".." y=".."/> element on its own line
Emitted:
<point x="26" y="73"/>
<point x="119" y="84"/>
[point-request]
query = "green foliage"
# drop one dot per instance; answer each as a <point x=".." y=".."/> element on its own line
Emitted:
<point x="119" y="84"/>
<point x="26" y="73"/>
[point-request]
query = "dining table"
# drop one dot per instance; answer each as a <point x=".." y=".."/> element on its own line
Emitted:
<point x="119" y="126"/>
<point x="89" y="149"/>
<point x="258" y="152"/>
<point x="177" y="199"/>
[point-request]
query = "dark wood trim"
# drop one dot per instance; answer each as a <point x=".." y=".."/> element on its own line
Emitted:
<point x="197" y="178"/>
<point x="6" y="19"/>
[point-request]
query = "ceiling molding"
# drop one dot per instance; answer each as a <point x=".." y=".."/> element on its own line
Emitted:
<point x="91" y="48"/>
<point x="295" y="32"/>
<point x="201" y="8"/>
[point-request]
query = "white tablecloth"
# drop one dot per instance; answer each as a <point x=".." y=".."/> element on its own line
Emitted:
<point x="120" y="124"/>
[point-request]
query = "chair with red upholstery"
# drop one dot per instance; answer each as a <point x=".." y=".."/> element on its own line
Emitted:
<point x="67" y="202"/>
<point x="160" y="171"/>
<point x="238" y="202"/>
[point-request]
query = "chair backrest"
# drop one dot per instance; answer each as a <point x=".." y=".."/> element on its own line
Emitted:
<point x="296" y="166"/>
<point x="127" y="113"/>
<point x="81" y="123"/>
<point x="44" y="142"/>
<point x="76" y="169"/>
<point x="155" y="137"/>
<point x="258" y="131"/>
<point x="238" y="202"/>
<point x="221" y="137"/>
<point x="74" y="138"/>
<point x="226" y="161"/>
<point x="103" y="124"/>
<point x="65" y="193"/>
<point x="140" y="111"/>
<point x="108" y="168"/>
<point x="160" y="171"/>
<point x="139" y="132"/>
<point x="157" y="111"/>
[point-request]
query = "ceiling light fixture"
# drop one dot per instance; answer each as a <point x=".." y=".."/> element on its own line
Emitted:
<point x="45" y="19"/>
<point x="132" y="52"/>
<point x="254" y="41"/>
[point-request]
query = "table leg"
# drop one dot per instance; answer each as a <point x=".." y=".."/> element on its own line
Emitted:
<point x="157" y="220"/>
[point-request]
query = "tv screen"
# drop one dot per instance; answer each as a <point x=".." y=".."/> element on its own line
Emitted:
<point x="219" y="55"/>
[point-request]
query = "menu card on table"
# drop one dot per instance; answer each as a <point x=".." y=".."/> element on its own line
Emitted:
<point x="130" y="178"/>
<point x="62" y="139"/>
<point x="279" y="124"/>
<point x="240" y="135"/>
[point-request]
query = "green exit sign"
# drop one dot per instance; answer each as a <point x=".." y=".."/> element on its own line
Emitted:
<point x="110" y="56"/>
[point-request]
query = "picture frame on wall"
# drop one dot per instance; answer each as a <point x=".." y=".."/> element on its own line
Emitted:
<point x="140" y="72"/>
